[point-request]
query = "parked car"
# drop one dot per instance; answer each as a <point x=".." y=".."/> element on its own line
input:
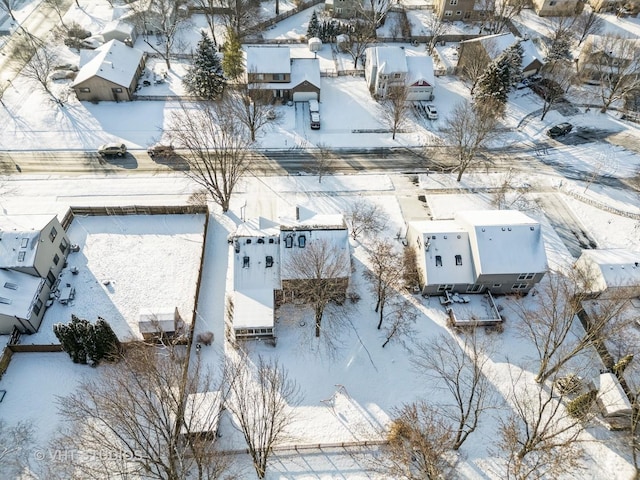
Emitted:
<point x="163" y="151"/>
<point x="315" y="121"/>
<point x="271" y="114"/>
<point x="432" y="113"/>
<point x="314" y="106"/>
<point x="110" y="149"/>
<point x="559" y="130"/>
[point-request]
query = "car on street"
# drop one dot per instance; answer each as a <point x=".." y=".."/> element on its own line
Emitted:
<point x="111" y="149"/>
<point x="161" y="151"/>
<point x="559" y="130"/>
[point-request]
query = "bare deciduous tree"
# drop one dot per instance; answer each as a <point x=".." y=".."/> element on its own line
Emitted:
<point x="208" y="7"/>
<point x="320" y="275"/>
<point x="141" y="412"/>
<point x="436" y="26"/>
<point x="550" y="325"/>
<point x="362" y="216"/>
<point x="360" y="38"/>
<point x="323" y="161"/>
<point x="634" y="432"/>
<point x="261" y="399"/>
<point x="250" y="107"/>
<point x="395" y="106"/>
<point x="240" y="15"/>
<point x="467" y="131"/>
<point x="374" y="12"/>
<point x="539" y="436"/>
<point x="510" y="193"/>
<point x="460" y="365"/>
<point x="401" y="321"/>
<point x="614" y="62"/>
<point x="165" y="20"/>
<point x="499" y="13"/>
<point x="385" y="274"/>
<point x="473" y="69"/>
<point x="39" y="62"/>
<point x="14" y="440"/>
<point x="557" y="76"/>
<point x="587" y="23"/>
<point x="218" y="149"/>
<point x="7" y="6"/>
<point x="418" y="441"/>
<point x="58" y="6"/>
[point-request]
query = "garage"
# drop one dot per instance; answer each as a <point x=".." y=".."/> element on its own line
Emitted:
<point x="304" y="96"/>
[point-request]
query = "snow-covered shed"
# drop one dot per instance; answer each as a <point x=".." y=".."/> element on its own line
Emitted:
<point x="111" y="74"/>
<point x="119" y="30"/>
<point x="159" y="323"/>
<point x="613" y="270"/>
<point x="202" y="414"/>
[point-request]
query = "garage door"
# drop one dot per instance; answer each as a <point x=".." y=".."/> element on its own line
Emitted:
<point x="304" y="96"/>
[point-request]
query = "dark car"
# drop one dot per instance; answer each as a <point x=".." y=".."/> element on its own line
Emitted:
<point x="161" y="151"/>
<point x="559" y="130"/>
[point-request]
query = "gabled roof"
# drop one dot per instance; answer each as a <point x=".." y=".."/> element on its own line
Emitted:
<point x="445" y="239"/>
<point x="18" y="292"/>
<point x="389" y="60"/>
<point x="113" y="61"/>
<point x="625" y="49"/>
<point x="420" y="69"/>
<point x="494" y="45"/>
<point x="305" y="69"/>
<point x="615" y="267"/>
<point x="504" y="241"/>
<point x="309" y="219"/>
<point x="119" y="26"/>
<point x="268" y="60"/>
<point x="19" y="238"/>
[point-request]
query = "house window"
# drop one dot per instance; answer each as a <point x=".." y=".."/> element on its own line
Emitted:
<point x="519" y="286"/>
<point x="5" y="300"/>
<point x="458" y="259"/>
<point x="116" y="90"/>
<point x="63" y="245"/>
<point x="442" y="288"/>
<point x="53" y="234"/>
<point x="288" y="242"/>
<point x="474" y="288"/>
<point x="278" y="77"/>
<point x="37" y="307"/>
<point x="459" y="12"/>
<point x="438" y="261"/>
<point x="56" y="259"/>
<point x="453" y="2"/>
<point x="271" y="240"/>
<point x="496" y="285"/>
<point x="51" y="278"/>
<point x="339" y="10"/>
<point x="551" y="4"/>
<point x="248" y="242"/>
<point x="24" y="243"/>
<point x="85" y="90"/>
<point x="396" y="75"/>
<point x="10" y="286"/>
<point x="302" y="241"/>
<point x="269" y="263"/>
<point x="260" y="76"/>
<point x="448" y="13"/>
<point x="261" y="240"/>
<point x="526" y="276"/>
<point x="21" y="256"/>
<point x="245" y="262"/>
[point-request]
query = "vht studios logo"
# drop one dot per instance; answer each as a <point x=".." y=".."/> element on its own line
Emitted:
<point x="62" y="455"/>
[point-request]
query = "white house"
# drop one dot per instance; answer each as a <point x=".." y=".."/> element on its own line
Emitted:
<point x="389" y="67"/>
<point x="260" y="250"/>
<point x="610" y="270"/>
<point x="496" y="250"/>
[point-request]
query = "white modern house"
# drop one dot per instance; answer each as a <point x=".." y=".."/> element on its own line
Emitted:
<point x="389" y="67"/>
<point x="33" y="251"/>
<point x="500" y="251"/>
<point x="260" y="251"/>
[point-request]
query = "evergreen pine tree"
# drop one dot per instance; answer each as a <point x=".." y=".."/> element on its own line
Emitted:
<point x="232" y="60"/>
<point x="314" y="26"/>
<point x="493" y="86"/>
<point x="80" y="329"/>
<point x="513" y="57"/>
<point x="205" y="78"/>
<point x="106" y="339"/>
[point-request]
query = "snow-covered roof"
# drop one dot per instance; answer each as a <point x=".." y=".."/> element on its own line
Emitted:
<point x="612" y="399"/>
<point x="118" y="26"/>
<point x="18" y="292"/>
<point x="495" y="44"/>
<point x="442" y="241"/>
<point x="256" y="227"/>
<point x="202" y="412"/>
<point x="504" y="241"/>
<point x="268" y="60"/>
<point x="420" y="69"/>
<point x="19" y="236"/>
<point x="530" y="53"/>
<point x="297" y="240"/>
<point x="625" y="48"/>
<point x="305" y="69"/>
<point x="388" y="59"/>
<point x="253" y="308"/>
<point x="161" y="319"/>
<point x="256" y="262"/>
<point x="305" y="217"/>
<point x="113" y="61"/>
<point x="615" y="267"/>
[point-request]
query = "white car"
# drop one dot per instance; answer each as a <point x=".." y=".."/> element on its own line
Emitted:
<point x="432" y="113"/>
<point x="110" y="149"/>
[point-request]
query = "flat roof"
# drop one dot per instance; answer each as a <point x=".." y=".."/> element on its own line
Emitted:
<point x="253" y="308"/>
